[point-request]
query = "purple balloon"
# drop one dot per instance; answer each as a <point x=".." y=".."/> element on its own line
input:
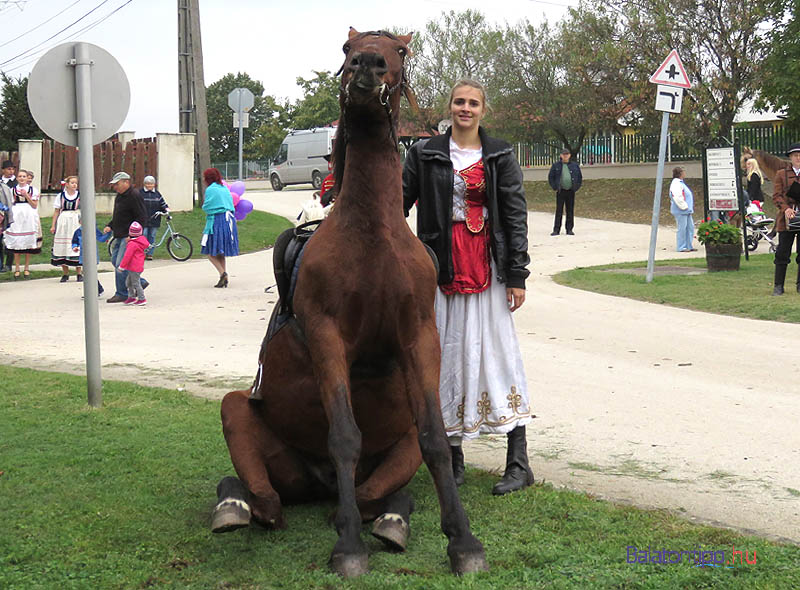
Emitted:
<point x="245" y="205"/>
<point x="237" y="187"/>
<point x="239" y="215"/>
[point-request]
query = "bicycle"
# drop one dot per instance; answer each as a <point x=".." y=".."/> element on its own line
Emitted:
<point x="180" y="247"/>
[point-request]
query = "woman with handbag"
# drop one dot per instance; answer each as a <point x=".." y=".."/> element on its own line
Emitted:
<point x="471" y="212"/>
<point x="786" y="197"/>
<point x="682" y="207"/>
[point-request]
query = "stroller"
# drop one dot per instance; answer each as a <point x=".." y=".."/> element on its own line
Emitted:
<point x="758" y="227"/>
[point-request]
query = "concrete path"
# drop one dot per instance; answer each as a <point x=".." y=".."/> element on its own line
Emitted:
<point x="635" y="402"/>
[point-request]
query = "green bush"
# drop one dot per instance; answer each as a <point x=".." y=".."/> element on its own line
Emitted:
<point x="716" y="232"/>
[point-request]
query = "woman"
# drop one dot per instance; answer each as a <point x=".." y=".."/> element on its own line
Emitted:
<point x="471" y="211"/>
<point x="66" y="219"/>
<point x="220" y="237"/>
<point x="754" y="180"/>
<point x="786" y="197"/>
<point x="23" y="236"/>
<point x="682" y="207"/>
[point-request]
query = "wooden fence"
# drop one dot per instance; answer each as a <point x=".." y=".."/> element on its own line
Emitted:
<point x="139" y="158"/>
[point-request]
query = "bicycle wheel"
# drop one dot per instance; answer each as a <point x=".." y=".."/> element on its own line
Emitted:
<point x="179" y="247"/>
<point x="751" y="243"/>
<point x="111" y="248"/>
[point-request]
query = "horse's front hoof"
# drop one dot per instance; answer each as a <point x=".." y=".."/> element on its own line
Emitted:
<point x="229" y="515"/>
<point x="392" y="529"/>
<point x="467" y="557"/>
<point x="349" y="565"/>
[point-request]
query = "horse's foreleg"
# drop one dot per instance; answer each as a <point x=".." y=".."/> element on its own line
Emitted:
<point x="349" y="555"/>
<point x="248" y="442"/>
<point x="421" y="368"/>
<point x="380" y="496"/>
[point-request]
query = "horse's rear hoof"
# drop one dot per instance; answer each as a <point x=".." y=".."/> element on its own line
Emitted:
<point x="468" y="563"/>
<point x="229" y="515"/>
<point x="349" y="565"/>
<point x="392" y="529"/>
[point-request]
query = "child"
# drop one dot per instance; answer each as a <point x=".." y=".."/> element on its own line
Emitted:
<point x="66" y="219"/>
<point x="77" y="247"/>
<point x="133" y="262"/>
<point x="24" y="235"/>
<point x="153" y="202"/>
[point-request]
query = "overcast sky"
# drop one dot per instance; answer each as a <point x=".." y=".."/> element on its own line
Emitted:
<point x="274" y="42"/>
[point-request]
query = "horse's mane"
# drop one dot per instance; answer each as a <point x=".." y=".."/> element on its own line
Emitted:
<point x="769" y="164"/>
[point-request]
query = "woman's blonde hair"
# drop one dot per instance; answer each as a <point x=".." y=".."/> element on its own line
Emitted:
<point x="753" y="168"/>
<point x="472" y="84"/>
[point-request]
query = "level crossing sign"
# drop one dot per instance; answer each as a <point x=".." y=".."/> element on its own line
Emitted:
<point x="671" y="72"/>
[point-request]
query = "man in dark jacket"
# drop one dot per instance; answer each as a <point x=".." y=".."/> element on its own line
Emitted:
<point x="128" y="207"/>
<point x="565" y="178"/>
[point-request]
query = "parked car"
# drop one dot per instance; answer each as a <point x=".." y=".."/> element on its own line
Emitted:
<point x="301" y="158"/>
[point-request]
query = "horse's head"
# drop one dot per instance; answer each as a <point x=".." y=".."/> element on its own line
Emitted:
<point x="747" y="153"/>
<point x="373" y="71"/>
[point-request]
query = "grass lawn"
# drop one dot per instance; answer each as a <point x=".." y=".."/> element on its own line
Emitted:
<point x="628" y="200"/>
<point x="257" y="232"/>
<point x="745" y="293"/>
<point x="120" y="497"/>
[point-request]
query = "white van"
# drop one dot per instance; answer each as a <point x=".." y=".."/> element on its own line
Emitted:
<point x="301" y="158"/>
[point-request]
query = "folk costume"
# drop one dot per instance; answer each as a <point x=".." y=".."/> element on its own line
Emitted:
<point x="786" y="188"/>
<point x="68" y="221"/>
<point x="220" y="235"/>
<point x="471" y="211"/>
<point x="24" y="235"/>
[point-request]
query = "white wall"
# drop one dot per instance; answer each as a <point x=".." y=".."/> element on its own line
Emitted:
<point x="176" y="169"/>
<point x="30" y="158"/>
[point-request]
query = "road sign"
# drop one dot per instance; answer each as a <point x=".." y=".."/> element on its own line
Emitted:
<point x="56" y="116"/>
<point x="671" y="72"/>
<point x="669" y="99"/>
<point x="241" y="99"/>
<point x="723" y="194"/>
<point x="245" y="120"/>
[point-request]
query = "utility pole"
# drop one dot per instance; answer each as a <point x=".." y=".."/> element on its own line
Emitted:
<point x="192" y="111"/>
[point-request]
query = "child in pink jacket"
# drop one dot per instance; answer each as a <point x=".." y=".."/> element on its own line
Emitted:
<point x="133" y="262"/>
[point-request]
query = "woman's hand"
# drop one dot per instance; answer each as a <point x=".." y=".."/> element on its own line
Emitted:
<point x="52" y="229"/>
<point x="515" y="297"/>
<point x="789" y="213"/>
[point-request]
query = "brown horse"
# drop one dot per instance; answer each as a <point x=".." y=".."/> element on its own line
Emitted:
<point x="346" y="400"/>
<point x="768" y="163"/>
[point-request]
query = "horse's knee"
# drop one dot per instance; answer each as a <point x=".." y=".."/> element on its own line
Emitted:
<point x="232" y="406"/>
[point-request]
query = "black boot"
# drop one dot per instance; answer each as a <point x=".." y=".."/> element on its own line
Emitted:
<point x="457" y="456"/>
<point x="780" y="277"/>
<point x="518" y="473"/>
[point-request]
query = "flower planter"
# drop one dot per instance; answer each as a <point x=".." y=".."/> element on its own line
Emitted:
<point x="721" y="257"/>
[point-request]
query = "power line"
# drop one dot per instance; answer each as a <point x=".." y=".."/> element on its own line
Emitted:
<point x="40" y="24"/>
<point x="54" y="35"/>
<point x="35" y="56"/>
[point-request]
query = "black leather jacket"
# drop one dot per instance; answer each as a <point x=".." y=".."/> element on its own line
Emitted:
<point x="428" y="179"/>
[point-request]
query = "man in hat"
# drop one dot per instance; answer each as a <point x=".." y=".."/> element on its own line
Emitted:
<point x="128" y="207"/>
<point x="9" y="177"/>
<point x="565" y="178"/>
<point x="786" y="196"/>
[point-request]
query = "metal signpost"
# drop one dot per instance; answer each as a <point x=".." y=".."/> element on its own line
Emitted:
<point x="91" y="104"/>
<point x="241" y="100"/>
<point x="671" y="79"/>
<point x="723" y="185"/>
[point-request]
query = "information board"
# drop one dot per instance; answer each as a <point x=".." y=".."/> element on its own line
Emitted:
<point x="721" y="169"/>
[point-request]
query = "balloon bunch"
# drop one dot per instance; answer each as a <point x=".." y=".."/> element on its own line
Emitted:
<point x="241" y="207"/>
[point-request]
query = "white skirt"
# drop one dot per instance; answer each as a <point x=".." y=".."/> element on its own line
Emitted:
<point x="67" y="223"/>
<point x="25" y="234"/>
<point x="482" y="384"/>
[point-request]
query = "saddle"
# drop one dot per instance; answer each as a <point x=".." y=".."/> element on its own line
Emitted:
<point x="287" y="255"/>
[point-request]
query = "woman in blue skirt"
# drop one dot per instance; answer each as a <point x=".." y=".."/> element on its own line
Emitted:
<point x="220" y="237"/>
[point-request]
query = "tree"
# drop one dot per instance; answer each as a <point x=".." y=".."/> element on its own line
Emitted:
<point x="16" y="121"/>
<point x="320" y="103"/>
<point x="780" y="82"/>
<point x="719" y="42"/>
<point x="457" y="45"/>
<point x="563" y="84"/>
<point x="223" y="136"/>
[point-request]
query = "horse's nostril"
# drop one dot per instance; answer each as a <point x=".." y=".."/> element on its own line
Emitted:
<point x="380" y="62"/>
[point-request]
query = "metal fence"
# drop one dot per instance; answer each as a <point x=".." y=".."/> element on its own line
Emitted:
<point x="769" y="139"/>
<point x="251" y="169"/>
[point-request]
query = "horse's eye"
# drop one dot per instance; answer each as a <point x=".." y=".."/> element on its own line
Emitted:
<point x="346" y="48"/>
<point x="402" y="52"/>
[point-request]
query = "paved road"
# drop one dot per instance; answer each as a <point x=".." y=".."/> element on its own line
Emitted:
<point x="635" y="402"/>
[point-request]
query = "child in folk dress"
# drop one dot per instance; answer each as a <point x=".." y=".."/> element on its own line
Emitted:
<point x="133" y="262"/>
<point x="66" y="219"/>
<point x="24" y="235"/>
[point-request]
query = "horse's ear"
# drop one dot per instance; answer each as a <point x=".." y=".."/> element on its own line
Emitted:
<point x="406" y="39"/>
<point x="352" y="33"/>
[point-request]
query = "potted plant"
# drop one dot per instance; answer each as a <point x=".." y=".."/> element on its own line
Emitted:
<point x="723" y="244"/>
